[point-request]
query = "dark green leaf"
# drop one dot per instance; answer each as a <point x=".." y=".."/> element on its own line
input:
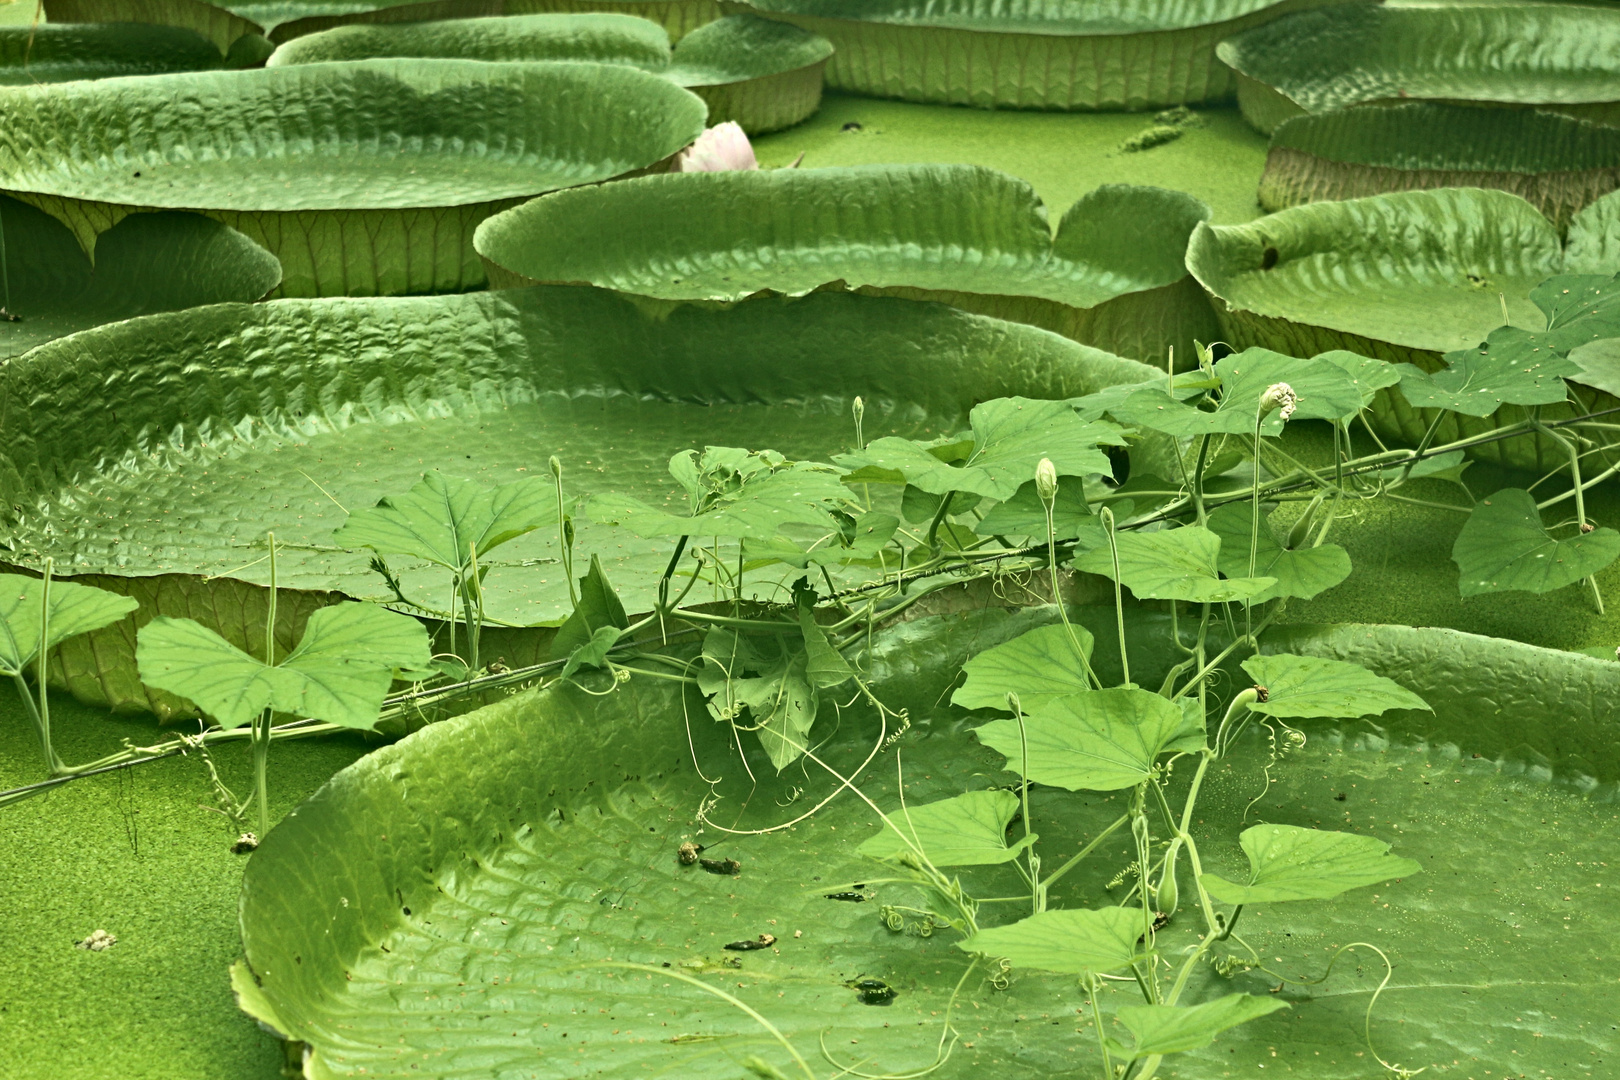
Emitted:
<point x="824" y="668"/>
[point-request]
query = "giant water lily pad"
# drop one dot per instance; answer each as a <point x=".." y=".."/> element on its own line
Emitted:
<point x="761" y="74"/>
<point x="500" y="873"/>
<point x="177" y="441"/>
<point x="1557" y="163"/>
<point x="1564" y="57"/>
<point x="1405" y="277"/>
<point x="48" y="53"/>
<point x="149" y="262"/>
<point x="1049" y="54"/>
<point x="229" y="21"/>
<point x="378" y="193"/>
<point x="1113" y="275"/>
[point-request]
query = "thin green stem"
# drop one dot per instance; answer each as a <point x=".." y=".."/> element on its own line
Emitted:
<point x="1057" y="598"/>
<point x="1077" y="859"/>
<point x="1107" y="516"/>
<point x="1035" y="895"/>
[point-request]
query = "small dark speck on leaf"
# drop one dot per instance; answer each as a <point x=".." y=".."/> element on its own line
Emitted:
<point x="853" y="125"/>
<point x="1340" y="797"/>
<point x="764" y="941"/>
<point x="1268" y="258"/>
<point x="721" y="866"/>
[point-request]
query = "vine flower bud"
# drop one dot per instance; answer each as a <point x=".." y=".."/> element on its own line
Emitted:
<point x="1046" y="481"/>
<point x="556" y="467"/>
<point x="1279" y="397"/>
<point x="858" y="408"/>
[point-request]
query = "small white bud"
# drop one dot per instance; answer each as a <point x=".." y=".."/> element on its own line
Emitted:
<point x="858" y="408"/>
<point x="1279" y="398"/>
<point x="556" y="467"/>
<point x="1046" y="481"/>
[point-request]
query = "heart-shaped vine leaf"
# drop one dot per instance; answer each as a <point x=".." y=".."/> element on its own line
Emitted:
<point x="1073" y="941"/>
<point x="1038" y="666"/>
<point x="1325" y="392"/>
<point x="1172" y="564"/>
<point x="760" y="683"/>
<point x="593" y="653"/>
<point x="1174" y="1029"/>
<point x="1305" y="687"/>
<point x="1511" y="367"/>
<point x="1369" y="375"/>
<point x="444" y="520"/>
<point x="1580" y="308"/>
<point x="339" y="672"/>
<point x="1010" y="437"/>
<point x="597" y="609"/>
<point x="968" y="830"/>
<point x="1104" y="740"/>
<point x="1504" y="546"/>
<point x="1303" y="572"/>
<point x="74" y="610"/>
<point x="798" y="493"/>
<point x="1025" y="515"/>
<point x="1287" y="862"/>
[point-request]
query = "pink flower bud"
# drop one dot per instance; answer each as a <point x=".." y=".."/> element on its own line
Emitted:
<point x="723" y="148"/>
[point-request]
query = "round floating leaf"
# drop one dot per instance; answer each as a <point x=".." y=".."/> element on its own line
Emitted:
<point x="1113" y="276"/>
<point x="1504" y="546"/>
<point x="1489" y="695"/>
<point x="1172" y="564"/>
<point x="1076" y="941"/>
<point x="1103" y="740"/>
<point x="1408" y="276"/>
<point x="1039" y="666"/>
<point x="1556" y="56"/>
<point x="282" y="415"/>
<point x="1312" y="687"/>
<point x="147" y="262"/>
<point x="764" y="75"/>
<point x="597" y="38"/>
<point x="50" y="53"/>
<point x="968" y="830"/>
<point x="1557" y="163"/>
<point x="1175" y="1029"/>
<point x="677" y="17"/>
<point x="380" y="196"/>
<point x="1287" y="862"/>
<point x="524" y="810"/>
<point x="1071" y="55"/>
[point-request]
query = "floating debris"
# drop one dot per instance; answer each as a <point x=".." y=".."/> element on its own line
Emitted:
<point x="729" y="867"/>
<point x="764" y="941"/>
<point x="687" y="853"/>
<point x="873" y="991"/>
<point x="98" y="941"/>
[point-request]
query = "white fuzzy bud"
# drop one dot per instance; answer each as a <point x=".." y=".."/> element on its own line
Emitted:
<point x="1279" y="398"/>
<point x="1046" y="481"/>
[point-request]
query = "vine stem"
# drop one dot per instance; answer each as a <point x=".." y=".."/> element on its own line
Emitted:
<point x="262" y="723"/>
